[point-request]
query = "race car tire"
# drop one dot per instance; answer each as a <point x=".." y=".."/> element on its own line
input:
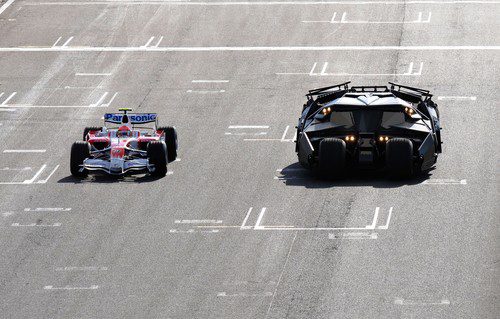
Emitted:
<point x="79" y="152"/>
<point x="88" y="129"/>
<point x="170" y="141"/>
<point x="157" y="155"/>
<point x="332" y="157"/>
<point x="399" y="157"/>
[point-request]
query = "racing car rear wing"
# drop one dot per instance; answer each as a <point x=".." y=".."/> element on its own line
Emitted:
<point x="133" y="118"/>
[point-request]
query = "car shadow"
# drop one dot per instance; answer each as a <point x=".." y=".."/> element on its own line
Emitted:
<point x="106" y="179"/>
<point x="295" y="175"/>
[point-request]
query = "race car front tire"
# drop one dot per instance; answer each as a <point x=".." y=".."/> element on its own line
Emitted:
<point x="170" y="141"/>
<point x="157" y="155"/>
<point x="399" y="157"/>
<point x="79" y="152"/>
<point x="332" y="157"/>
<point x="89" y="129"/>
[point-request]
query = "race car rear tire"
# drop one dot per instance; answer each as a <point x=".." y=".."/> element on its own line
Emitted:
<point x="170" y="141"/>
<point x="79" y="152"/>
<point x="332" y="157"/>
<point x="399" y="157"/>
<point x="88" y="129"/>
<point x="157" y="155"/>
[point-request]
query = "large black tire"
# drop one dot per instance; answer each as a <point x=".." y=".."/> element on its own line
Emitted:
<point x="88" y="129"/>
<point x="171" y="142"/>
<point x="399" y="157"/>
<point x="79" y="152"/>
<point x="157" y="155"/>
<point x="332" y="157"/>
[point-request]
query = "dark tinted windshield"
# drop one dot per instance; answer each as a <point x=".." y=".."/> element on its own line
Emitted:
<point x="367" y="120"/>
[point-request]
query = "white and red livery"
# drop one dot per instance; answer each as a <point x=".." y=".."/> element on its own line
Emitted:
<point x="130" y="147"/>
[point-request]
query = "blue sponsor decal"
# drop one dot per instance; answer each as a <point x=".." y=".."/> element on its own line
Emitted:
<point x="134" y="118"/>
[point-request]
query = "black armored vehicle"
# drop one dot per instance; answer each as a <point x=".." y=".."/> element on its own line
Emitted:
<point x="394" y="128"/>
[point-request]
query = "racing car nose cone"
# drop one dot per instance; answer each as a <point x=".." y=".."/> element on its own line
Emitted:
<point x="117" y="152"/>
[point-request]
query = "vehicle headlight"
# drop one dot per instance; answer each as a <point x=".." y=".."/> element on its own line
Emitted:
<point x="383" y="138"/>
<point x="325" y="111"/>
<point x="350" y="138"/>
<point x="410" y="111"/>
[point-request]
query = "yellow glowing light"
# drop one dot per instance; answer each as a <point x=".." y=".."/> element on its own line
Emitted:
<point x="386" y="138"/>
<point x="409" y="111"/>
<point x="381" y="138"/>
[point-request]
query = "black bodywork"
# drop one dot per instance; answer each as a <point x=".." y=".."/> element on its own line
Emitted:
<point x="365" y="118"/>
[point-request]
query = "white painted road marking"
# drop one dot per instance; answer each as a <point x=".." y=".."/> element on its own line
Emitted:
<point x="358" y="235"/>
<point x="410" y="69"/>
<point x="243" y="133"/>
<point x="15" y="169"/>
<point x="343" y="19"/>
<point x="67" y="42"/>
<point x="459" y="98"/>
<point x="209" y="81"/>
<point x="404" y="302"/>
<point x="48" y="209"/>
<point x="93" y="287"/>
<point x="246" y="219"/>
<point x="254" y="48"/>
<point x="5" y="6"/>
<point x="148" y="44"/>
<point x="449" y="181"/>
<point x="282" y="139"/>
<point x="205" y="91"/>
<point x="410" y="72"/>
<point x="92" y="74"/>
<point x="284" y="133"/>
<point x="39" y="209"/>
<point x="258" y="3"/>
<point x="101" y="99"/>
<point x="30" y="181"/>
<point x="57" y="41"/>
<point x="24" y="151"/>
<point x="247" y="126"/>
<point x="35" y="225"/>
<point x="375" y="217"/>
<point x="85" y="268"/>
<point x="244" y="294"/>
<point x="37" y="174"/>
<point x="258" y="224"/>
<point x="64" y="45"/>
<point x="100" y="102"/>
<point x="8" y="98"/>
<point x="198" y="221"/>
<point x="189" y="231"/>
<point x="43" y="181"/>
<point x="259" y="219"/>
<point x="386" y="226"/>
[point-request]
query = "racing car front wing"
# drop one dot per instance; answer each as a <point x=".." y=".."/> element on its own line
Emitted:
<point x="118" y="166"/>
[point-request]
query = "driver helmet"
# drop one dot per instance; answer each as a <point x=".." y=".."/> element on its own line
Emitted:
<point x="124" y="131"/>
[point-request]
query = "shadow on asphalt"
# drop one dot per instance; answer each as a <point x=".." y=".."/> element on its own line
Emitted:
<point x="295" y="175"/>
<point x="106" y="179"/>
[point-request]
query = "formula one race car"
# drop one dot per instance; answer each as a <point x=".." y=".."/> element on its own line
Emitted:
<point x="127" y="148"/>
<point x="394" y="128"/>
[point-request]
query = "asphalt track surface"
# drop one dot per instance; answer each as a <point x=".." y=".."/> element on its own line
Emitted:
<point x="238" y="230"/>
